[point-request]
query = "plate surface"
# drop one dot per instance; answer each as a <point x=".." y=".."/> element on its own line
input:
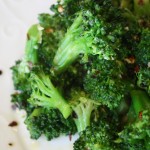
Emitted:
<point x="16" y="16"/>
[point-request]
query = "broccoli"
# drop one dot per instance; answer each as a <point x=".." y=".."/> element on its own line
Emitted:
<point x="107" y="82"/>
<point x="90" y="34"/>
<point x="34" y="37"/>
<point x="52" y="33"/>
<point x="50" y="123"/>
<point x="86" y="70"/>
<point x="144" y="79"/>
<point x="143" y="58"/>
<point x="83" y="108"/>
<point x="20" y="100"/>
<point x="44" y="94"/>
<point x="22" y="68"/>
<point x="100" y="135"/>
<point x="138" y="131"/>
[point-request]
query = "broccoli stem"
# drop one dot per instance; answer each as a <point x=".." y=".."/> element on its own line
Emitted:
<point x="34" y="37"/>
<point x="140" y="100"/>
<point x="31" y="52"/>
<point x="72" y="46"/>
<point x="83" y="112"/>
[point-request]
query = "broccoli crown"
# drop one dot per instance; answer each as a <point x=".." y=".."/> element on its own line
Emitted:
<point x="90" y="34"/>
<point x="106" y="81"/>
<point x="98" y="136"/>
<point x="139" y="130"/>
<point x="20" y="80"/>
<point x="50" y="123"/>
<point x="143" y="58"/>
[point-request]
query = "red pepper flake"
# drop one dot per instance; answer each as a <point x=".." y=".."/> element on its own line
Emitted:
<point x="70" y="137"/>
<point x="28" y="37"/>
<point x="140" y="114"/>
<point x="14" y="106"/>
<point x="136" y="69"/>
<point x="10" y="144"/>
<point x="13" y="124"/>
<point x="136" y="37"/>
<point x="49" y="30"/>
<point x="140" y="2"/>
<point x="130" y="60"/>
<point x="1" y="72"/>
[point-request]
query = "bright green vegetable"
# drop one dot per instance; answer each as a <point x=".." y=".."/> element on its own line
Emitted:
<point x="86" y="70"/>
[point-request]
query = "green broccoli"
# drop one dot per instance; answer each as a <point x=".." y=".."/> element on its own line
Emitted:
<point x="83" y="108"/>
<point x="138" y="131"/>
<point x="99" y="136"/>
<point x="50" y="123"/>
<point x="90" y="34"/>
<point x="44" y="94"/>
<point x="107" y="82"/>
<point x="86" y="70"/>
<point x="143" y="59"/>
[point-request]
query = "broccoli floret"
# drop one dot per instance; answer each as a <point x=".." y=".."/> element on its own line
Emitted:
<point x="99" y="136"/>
<point x="139" y="130"/>
<point x="142" y="52"/>
<point x="20" y="100"/>
<point x="20" y="80"/>
<point x="89" y="34"/>
<point x="83" y="108"/>
<point x="107" y="81"/>
<point x="50" y="123"/>
<point x="32" y="124"/>
<point x="21" y="70"/>
<point x="143" y="59"/>
<point x="53" y="31"/>
<point x="44" y="94"/>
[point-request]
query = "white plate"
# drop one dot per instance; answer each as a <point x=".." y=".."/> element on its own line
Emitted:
<point x="16" y="16"/>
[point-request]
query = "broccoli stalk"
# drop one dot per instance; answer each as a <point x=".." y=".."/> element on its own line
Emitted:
<point x="83" y="112"/>
<point x="34" y="37"/>
<point x="46" y="95"/>
<point x="71" y="46"/>
<point x="83" y="108"/>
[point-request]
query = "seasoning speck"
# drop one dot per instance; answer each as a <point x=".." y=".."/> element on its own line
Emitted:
<point x="14" y="107"/>
<point x="70" y="137"/>
<point x="60" y="9"/>
<point x="1" y="72"/>
<point x="10" y="144"/>
<point x="13" y="124"/>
